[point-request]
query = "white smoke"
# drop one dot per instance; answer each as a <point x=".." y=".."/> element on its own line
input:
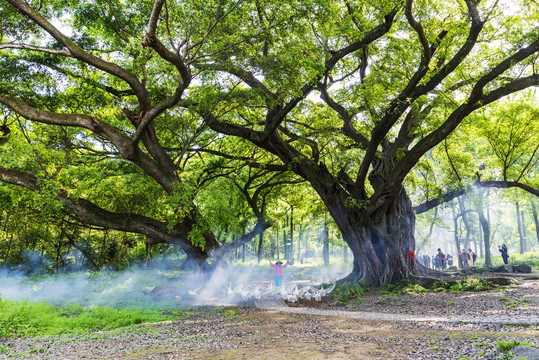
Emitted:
<point x="149" y="287"/>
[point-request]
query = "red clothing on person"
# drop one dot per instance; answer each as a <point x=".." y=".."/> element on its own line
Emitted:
<point x="278" y="268"/>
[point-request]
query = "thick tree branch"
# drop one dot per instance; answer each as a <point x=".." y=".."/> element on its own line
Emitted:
<point x="150" y="39"/>
<point x="35" y="48"/>
<point x="430" y="204"/>
<point x="80" y="54"/>
<point x="120" y="141"/>
<point x="508" y="184"/>
<point x="246" y="76"/>
<point x="89" y="213"/>
<point x="276" y="116"/>
<point x="475" y="101"/>
<point x="347" y="128"/>
<point x="248" y="160"/>
<point x="418" y="29"/>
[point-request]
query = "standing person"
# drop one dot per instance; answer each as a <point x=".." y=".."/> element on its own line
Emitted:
<point x="465" y="262"/>
<point x="278" y="266"/>
<point x="503" y="251"/>
<point x="471" y="257"/>
<point x="441" y="257"/>
<point x="449" y="260"/>
<point x="459" y="255"/>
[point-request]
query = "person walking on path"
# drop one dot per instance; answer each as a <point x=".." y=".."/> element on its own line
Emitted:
<point x="278" y="266"/>
<point x="503" y="251"/>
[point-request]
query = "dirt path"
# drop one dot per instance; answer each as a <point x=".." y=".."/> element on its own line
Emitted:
<point x="509" y="319"/>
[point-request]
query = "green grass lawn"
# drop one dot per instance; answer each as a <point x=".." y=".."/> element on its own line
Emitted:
<point x="531" y="258"/>
<point x="23" y="319"/>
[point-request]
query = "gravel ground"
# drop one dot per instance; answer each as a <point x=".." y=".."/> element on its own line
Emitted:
<point x="253" y="333"/>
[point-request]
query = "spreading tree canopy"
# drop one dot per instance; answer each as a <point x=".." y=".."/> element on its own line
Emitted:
<point x="348" y="96"/>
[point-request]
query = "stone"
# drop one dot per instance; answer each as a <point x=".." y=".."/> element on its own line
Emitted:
<point x="525" y="352"/>
<point x="500" y="268"/>
<point x="426" y="282"/>
<point x="508" y="268"/>
<point x="522" y="268"/>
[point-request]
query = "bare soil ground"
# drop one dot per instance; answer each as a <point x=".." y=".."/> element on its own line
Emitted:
<point x="251" y="333"/>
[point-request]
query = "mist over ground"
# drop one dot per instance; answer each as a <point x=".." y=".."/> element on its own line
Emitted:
<point x="154" y="286"/>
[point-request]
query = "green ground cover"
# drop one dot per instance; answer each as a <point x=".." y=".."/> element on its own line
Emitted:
<point x="24" y="319"/>
<point x="531" y="258"/>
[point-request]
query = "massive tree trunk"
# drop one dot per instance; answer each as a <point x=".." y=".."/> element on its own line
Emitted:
<point x="383" y="244"/>
<point x="380" y="236"/>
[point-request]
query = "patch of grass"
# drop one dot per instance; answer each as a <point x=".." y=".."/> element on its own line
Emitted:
<point x="512" y="304"/>
<point x="233" y="312"/>
<point x="451" y="303"/>
<point x="504" y="298"/>
<point x="509" y="345"/>
<point x="25" y="319"/>
<point x="5" y="349"/>
<point x="481" y="344"/>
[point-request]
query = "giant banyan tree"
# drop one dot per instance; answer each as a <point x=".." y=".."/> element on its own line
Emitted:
<point x="349" y="96"/>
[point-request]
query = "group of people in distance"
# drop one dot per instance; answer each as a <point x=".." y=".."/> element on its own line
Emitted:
<point x="442" y="261"/>
<point x="465" y="258"/>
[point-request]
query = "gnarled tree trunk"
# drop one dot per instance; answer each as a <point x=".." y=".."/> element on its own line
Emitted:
<point x="383" y="244"/>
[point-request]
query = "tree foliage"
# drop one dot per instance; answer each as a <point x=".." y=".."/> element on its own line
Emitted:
<point x="151" y="117"/>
